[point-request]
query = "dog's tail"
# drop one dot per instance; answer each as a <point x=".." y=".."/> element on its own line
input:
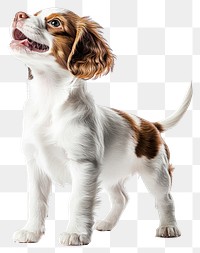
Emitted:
<point x="177" y="115"/>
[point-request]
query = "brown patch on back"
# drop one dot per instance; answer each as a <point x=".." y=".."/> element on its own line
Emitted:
<point x="159" y="127"/>
<point x="131" y="122"/>
<point x="149" y="140"/>
<point x="146" y="135"/>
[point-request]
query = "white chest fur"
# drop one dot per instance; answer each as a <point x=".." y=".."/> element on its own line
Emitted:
<point x="44" y="126"/>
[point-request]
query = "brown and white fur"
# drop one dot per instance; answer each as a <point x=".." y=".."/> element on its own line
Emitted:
<point x="67" y="138"/>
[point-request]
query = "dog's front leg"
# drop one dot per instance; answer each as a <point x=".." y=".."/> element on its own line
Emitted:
<point x="39" y="189"/>
<point x="84" y="190"/>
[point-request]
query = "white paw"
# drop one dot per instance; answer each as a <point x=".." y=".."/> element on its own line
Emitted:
<point x="26" y="236"/>
<point x="168" y="231"/>
<point x="103" y="225"/>
<point x="74" y="239"/>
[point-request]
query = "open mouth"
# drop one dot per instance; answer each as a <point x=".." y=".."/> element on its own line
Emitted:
<point x="27" y="42"/>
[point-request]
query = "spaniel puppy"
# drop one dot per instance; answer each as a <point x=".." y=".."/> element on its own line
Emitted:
<point x="67" y="138"/>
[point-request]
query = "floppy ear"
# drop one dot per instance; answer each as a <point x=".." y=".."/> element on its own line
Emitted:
<point x="90" y="56"/>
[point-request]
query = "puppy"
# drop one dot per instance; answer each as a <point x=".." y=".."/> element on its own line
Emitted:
<point x="67" y="138"/>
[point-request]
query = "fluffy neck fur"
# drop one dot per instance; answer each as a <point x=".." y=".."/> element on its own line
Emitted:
<point x="50" y="89"/>
<point x="55" y="84"/>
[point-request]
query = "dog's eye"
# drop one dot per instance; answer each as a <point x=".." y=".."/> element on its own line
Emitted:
<point x="55" y="22"/>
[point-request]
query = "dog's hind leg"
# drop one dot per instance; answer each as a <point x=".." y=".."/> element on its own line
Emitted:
<point x="118" y="199"/>
<point x="158" y="181"/>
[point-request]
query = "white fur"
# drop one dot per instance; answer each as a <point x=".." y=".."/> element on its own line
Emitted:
<point x="61" y="147"/>
<point x="177" y="115"/>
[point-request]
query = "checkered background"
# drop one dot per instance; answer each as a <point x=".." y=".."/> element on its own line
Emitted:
<point x="157" y="44"/>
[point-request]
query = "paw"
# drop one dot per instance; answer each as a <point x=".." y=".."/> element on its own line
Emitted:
<point x="74" y="239"/>
<point x="168" y="232"/>
<point x="103" y="225"/>
<point x="26" y="236"/>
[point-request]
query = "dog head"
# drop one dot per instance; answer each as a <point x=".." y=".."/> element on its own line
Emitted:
<point x="57" y="35"/>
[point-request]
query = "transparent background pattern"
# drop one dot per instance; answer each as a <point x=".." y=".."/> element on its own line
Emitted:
<point x="157" y="44"/>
